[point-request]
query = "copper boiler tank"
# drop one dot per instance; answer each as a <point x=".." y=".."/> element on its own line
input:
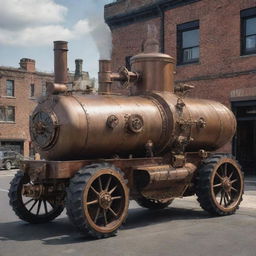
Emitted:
<point x="66" y="126"/>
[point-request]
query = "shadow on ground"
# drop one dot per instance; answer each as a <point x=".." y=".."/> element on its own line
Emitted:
<point x="61" y="231"/>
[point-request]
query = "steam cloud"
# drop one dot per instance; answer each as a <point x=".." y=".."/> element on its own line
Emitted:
<point x="100" y="31"/>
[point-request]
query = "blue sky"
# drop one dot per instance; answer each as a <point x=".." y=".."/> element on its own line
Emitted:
<point x="28" y="27"/>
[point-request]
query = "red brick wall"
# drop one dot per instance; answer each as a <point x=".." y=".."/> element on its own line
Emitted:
<point x="127" y="41"/>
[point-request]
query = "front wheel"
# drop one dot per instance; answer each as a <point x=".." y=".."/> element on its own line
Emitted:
<point x="97" y="200"/>
<point x="33" y="210"/>
<point x="220" y="185"/>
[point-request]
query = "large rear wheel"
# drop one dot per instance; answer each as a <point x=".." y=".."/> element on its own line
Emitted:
<point x="220" y="185"/>
<point x="97" y="200"/>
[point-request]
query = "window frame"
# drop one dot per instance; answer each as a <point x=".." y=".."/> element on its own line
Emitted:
<point x="13" y="88"/>
<point x="181" y="28"/>
<point x="244" y="16"/>
<point x="5" y="114"/>
<point x="32" y="89"/>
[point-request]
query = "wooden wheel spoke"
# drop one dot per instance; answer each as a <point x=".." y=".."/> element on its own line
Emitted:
<point x="45" y="206"/>
<point x="105" y="217"/>
<point x="94" y="190"/>
<point x="221" y="178"/>
<point x="100" y="183"/>
<point x="233" y="181"/>
<point x="225" y="200"/>
<point x="113" y="189"/>
<point x="29" y="201"/>
<point x="113" y="212"/>
<point x="234" y="189"/>
<point x="93" y="202"/>
<point x="108" y="183"/>
<point x="116" y="197"/>
<point x="97" y="215"/>
<point x="228" y="198"/>
<point x="31" y="208"/>
<point x="39" y="207"/>
<point x="231" y="174"/>
<point x="221" y="197"/>
<point x="217" y="185"/>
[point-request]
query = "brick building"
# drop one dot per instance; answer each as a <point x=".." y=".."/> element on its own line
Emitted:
<point x="19" y="89"/>
<point x="214" y="44"/>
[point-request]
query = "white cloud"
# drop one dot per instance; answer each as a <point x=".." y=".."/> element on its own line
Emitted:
<point x="36" y="23"/>
<point x="16" y="14"/>
<point x="43" y="35"/>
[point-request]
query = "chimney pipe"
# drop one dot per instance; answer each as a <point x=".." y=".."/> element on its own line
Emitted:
<point x="104" y="76"/>
<point x="79" y="67"/>
<point x="60" y="62"/>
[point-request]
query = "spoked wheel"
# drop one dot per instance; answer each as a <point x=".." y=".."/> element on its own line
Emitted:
<point x="33" y="210"/>
<point x="97" y="200"/>
<point x="153" y="204"/>
<point x="220" y="185"/>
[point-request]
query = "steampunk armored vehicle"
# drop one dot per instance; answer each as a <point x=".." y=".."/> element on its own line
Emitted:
<point x="102" y="150"/>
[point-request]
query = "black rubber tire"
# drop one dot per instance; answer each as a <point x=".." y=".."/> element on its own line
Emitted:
<point x="74" y="200"/>
<point x="153" y="204"/>
<point x="8" y="165"/>
<point x="204" y="185"/>
<point x="15" y="200"/>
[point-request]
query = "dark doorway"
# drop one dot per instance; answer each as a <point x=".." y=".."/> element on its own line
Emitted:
<point x="12" y="145"/>
<point x="244" y="143"/>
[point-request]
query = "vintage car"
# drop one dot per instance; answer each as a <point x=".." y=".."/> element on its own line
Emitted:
<point x="9" y="159"/>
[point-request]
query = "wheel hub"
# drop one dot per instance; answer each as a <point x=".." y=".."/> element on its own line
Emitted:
<point x="105" y="200"/>
<point x="226" y="184"/>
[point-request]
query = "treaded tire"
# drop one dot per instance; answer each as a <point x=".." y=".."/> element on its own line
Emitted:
<point x="8" y="165"/>
<point x="78" y="192"/>
<point x="210" y="185"/>
<point x="152" y="204"/>
<point x="16" y="202"/>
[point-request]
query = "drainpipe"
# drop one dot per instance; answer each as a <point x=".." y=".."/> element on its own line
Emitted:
<point x="162" y="28"/>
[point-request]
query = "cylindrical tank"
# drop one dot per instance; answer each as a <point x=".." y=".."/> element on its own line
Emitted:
<point x="156" y="70"/>
<point x="95" y="126"/>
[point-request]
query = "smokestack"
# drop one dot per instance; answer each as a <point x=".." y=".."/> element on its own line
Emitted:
<point x="60" y="62"/>
<point x="104" y="76"/>
<point x="79" y="67"/>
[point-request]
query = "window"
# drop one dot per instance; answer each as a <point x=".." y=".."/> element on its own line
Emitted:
<point x="188" y="42"/>
<point x="43" y="89"/>
<point x="32" y="90"/>
<point x="10" y="88"/>
<point x="2" y="114"/>
<point x="7" y="114"/>
<point x="248" y="31"/>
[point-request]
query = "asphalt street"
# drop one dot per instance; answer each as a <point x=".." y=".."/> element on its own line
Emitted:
<point x="181" y="229"/>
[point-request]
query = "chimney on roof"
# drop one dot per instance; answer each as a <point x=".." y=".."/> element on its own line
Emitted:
<point x="28" y="64"/>
<point x="79" y="68"/>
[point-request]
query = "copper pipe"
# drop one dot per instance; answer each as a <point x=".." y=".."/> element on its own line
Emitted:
<point x="60" y="62"/>
<point x="104" y="76"/>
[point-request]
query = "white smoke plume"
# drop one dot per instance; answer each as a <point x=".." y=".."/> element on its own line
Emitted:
<point x="100" y="31"/>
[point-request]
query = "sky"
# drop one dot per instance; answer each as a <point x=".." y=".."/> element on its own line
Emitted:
<point x="29" y="27"/>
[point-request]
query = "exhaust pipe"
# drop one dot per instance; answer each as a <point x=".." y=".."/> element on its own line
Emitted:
<point x="60" y="62"/>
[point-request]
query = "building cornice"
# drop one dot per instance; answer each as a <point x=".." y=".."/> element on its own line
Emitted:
<point x="143" y="13"/>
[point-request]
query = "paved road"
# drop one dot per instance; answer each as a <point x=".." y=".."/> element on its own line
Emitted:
<point x="183" y="229"/>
